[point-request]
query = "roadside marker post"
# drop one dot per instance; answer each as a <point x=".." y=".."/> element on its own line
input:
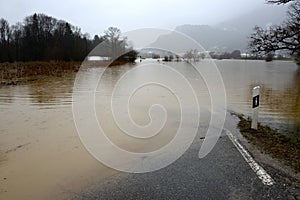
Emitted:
<point x="255" y="106"/>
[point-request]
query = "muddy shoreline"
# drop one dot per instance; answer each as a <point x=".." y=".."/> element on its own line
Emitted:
<point x="279" y="146"/>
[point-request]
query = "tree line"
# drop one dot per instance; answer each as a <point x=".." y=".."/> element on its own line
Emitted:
<point x="43" y="38"/>
<point x="195" y="55"/>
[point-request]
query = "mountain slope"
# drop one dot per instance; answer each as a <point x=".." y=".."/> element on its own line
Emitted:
<point x="229" y="35"/>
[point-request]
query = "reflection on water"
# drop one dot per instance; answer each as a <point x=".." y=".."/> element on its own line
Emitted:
<point x="279" y="81"/>
<point x="138" y="106"/>
<point x="50" y="92"/>
<point x="280" y="90"/>
<point x="2" y="157"/>
<point x="40" y="114"/>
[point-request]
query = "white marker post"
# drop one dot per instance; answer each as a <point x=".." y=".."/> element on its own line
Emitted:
<point x="255" y="106"/>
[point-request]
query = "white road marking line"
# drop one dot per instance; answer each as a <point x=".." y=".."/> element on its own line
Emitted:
<point x="261" y="173"/>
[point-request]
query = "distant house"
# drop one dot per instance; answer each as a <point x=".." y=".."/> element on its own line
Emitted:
<point x="98" y="58"/>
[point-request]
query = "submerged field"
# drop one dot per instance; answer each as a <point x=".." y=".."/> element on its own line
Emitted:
<point x="22" y="72"/>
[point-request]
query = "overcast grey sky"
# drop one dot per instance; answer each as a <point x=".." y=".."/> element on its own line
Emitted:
<point x="94" y="16"/>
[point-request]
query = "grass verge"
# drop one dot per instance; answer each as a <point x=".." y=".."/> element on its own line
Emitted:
<point x="281" y="147"/>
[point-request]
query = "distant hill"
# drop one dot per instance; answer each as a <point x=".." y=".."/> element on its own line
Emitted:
<point x="228" y="35"/>
<point x="214" y="39"/>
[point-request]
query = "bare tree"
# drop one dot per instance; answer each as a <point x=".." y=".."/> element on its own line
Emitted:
<point x="4" y="31"/>
<point x="192" y="54"/>
<point x="279" y="37"/>
<point x="5" y="36"/>
<point x="279" y="1"/>
<point x="112" y="36"/>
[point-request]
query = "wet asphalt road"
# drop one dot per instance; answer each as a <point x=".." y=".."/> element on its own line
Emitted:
<point x="223" y="174"/>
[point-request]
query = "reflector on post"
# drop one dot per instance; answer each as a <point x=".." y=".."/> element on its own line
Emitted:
<point x="255" y="106"/>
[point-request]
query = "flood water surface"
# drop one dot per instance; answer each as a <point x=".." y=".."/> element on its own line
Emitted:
<point x="42" y="157"/>
<point x="279" y="94"/>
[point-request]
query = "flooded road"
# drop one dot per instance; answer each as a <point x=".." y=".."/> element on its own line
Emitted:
<point x="41" y="156"/>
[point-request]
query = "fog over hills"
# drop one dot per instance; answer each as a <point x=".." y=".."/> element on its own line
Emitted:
<point x="228" y="35"/>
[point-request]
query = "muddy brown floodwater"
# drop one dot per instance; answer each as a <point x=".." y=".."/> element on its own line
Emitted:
<point x="41" y="155"/>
